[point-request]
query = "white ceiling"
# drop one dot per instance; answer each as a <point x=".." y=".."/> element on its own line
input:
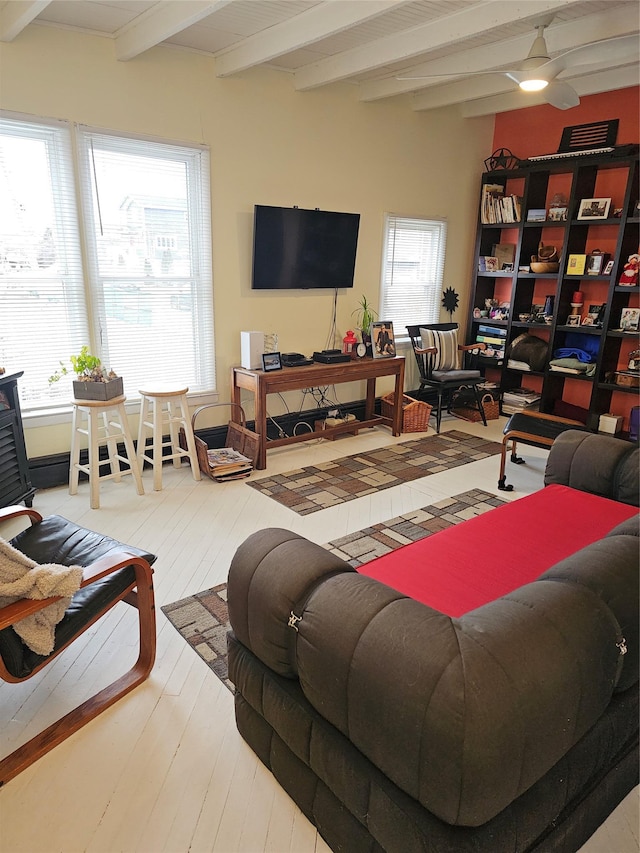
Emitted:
<point x="367" y="43"/>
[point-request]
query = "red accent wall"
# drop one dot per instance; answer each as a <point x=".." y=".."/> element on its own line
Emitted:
<point x="537" y="130"/>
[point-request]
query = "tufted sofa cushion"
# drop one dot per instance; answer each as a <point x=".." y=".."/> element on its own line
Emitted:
<point x="464" y="715"/>
<point x="600" y="464"/>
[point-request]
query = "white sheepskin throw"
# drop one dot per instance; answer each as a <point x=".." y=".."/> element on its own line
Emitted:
<point x="21" y="577"/>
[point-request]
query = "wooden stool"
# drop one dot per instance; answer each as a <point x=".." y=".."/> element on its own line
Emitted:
<point x="162" y="406"/>
<point x="106" y="423"/>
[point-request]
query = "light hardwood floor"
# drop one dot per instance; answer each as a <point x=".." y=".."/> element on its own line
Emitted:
<point x="165" y="770"/>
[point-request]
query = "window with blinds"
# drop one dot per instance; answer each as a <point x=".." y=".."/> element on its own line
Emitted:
<point x="143" y="300"/>
<point x="412" y="271"/>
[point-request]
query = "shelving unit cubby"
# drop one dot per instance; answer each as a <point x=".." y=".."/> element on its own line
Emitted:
<point x="618" y="236"/>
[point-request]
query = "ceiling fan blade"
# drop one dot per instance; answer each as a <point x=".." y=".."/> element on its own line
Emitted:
<point x="560" y="95"/>
<point x="620" y="47"/>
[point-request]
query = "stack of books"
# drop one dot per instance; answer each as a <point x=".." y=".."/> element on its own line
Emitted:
<point x="496" y="207"/>
<point x="228" y="464"/>
<point x="517" y="399"/>
<point x="495" y="338"/>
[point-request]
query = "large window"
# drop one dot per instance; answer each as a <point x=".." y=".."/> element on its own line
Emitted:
<point x="137" y="290"/>
<point x="412" y="269"/>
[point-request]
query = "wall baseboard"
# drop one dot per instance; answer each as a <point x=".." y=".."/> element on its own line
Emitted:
<point x="46" y="472"/>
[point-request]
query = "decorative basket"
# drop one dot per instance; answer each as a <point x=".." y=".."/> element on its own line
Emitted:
<point x="462" y="407"/>
<point x="238" y="438"/>
<point x="415" y="413"/>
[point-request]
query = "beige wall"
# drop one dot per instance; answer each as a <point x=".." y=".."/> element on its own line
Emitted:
<point x="269" y="145"/>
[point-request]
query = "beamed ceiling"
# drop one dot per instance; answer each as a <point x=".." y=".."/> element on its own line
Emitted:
<point x="370" y="44"/>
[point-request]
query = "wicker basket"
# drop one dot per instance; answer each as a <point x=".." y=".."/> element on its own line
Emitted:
<point x="238" y="437"/>
<point x="415" y="413"/>
<point x="460" y="408"/>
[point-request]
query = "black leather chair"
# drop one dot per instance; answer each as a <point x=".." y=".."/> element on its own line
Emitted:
<point x="112" y="572"/>
<point x="439" y="364"/>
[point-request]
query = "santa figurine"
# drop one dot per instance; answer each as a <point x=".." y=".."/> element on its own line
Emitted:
<point x="629" y="275"/>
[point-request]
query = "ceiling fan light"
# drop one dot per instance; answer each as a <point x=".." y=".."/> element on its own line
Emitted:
<point x="533" y="85"/>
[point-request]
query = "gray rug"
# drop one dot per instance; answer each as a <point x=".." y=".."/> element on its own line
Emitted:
<point x="317" y="487"/>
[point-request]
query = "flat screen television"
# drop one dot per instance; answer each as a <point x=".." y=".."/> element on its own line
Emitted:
<point x="296" y="249"/>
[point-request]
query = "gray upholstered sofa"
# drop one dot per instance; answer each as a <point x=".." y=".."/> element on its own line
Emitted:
<point x="395" y="727"/>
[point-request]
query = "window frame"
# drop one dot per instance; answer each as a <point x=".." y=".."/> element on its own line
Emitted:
<point x="76" y="273"/>
<point x="436" y="229"/>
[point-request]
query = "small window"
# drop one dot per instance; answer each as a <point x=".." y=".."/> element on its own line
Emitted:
<point x="412" y="270"/>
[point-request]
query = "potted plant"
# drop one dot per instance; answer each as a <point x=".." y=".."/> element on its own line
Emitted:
<point x="92" y="381"/>
<point x="365" y="315"/>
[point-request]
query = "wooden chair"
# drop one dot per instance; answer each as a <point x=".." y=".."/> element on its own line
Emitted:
<point x="113" y="572"/>
<point x="439" y="364"/>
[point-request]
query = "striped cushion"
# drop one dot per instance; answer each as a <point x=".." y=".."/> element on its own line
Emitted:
<point x="446" y="343"/>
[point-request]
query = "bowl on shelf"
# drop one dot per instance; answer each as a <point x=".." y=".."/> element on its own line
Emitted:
<point x="544" y="266"/>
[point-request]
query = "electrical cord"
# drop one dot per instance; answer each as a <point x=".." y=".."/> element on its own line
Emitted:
<point x="331" y="337"/>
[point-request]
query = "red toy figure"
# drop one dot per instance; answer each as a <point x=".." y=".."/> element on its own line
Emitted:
<point x="629" y="275"/>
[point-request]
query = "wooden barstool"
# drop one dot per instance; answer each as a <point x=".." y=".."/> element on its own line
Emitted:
<point x="103" y="422"/>
<point x="160" y="406"/>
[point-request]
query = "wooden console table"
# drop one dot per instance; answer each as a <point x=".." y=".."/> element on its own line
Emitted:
<point x="311" y="376"/>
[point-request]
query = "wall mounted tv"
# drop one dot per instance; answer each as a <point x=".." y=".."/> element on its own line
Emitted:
<point x="296" y="249"/>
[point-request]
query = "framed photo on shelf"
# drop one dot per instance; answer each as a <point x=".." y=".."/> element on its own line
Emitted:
<point x="491" y="264"/>
<point x="595" y="263"/>
<point x="271" y="361"/>
<point x="536" y="214"/>
<point x="630" y="319"/>
<point x="608" y="268"/>
<point x="557" y="214"/>
<point x="384" y="342"/>
<point x="576" y="264"/>
<point x="594" y="208"/>
<point x="573" y="320"/>
<point x="594" y="316"/>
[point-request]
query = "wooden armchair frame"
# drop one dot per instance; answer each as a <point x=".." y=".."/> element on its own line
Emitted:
<point x="139" y="594"/>
<point x="425" y="358"/>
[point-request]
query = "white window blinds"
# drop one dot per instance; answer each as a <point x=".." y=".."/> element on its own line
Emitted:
<point x="412" y="271"/>
<point x="43" y="316"/>
<point x="134" y="284"/>
<point x="147" y="214"/>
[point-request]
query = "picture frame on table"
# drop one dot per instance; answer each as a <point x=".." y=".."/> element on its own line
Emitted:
<point x="271" y="361"/>
<point x="383" y="340"/>
<point x="594" y="208"/>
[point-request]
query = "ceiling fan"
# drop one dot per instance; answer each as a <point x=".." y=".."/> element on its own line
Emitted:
<point x="538" y="72"/>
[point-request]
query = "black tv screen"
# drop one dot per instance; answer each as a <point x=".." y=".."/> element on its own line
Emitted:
<point x="295" y="248"/>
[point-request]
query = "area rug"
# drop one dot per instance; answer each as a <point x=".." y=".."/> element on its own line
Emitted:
<point x="317" y="487"/>
<point x="203" y="619"/>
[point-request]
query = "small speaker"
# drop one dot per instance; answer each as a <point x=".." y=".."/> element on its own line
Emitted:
<point x="251" y="349"/>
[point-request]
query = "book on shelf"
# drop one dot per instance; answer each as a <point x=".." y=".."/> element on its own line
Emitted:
<point x="488" y="339"/>
<point x="517" y="399"/>
<point x="498" y="331"/>
<point x="510" y="409"/>
<point x="496" y="207"/>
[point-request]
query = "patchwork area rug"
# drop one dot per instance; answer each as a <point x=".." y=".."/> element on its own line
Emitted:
<point x="317" y="487"/>
<point x="203" y="619"/>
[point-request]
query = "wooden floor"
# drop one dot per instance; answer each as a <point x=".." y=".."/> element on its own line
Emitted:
<point x="165" y="770"/>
